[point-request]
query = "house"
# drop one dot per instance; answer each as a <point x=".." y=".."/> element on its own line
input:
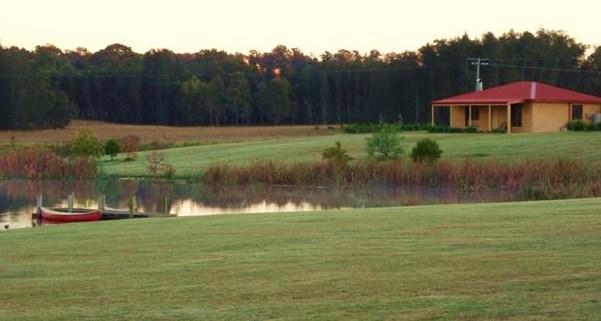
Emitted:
<point x="527" y="106"/>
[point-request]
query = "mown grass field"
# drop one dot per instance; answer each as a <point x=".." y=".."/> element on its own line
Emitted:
<point x="511" y="261"/>
<point x="189" y="161"/>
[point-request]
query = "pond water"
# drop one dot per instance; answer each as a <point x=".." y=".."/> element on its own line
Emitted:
<point x="18" y="197"/>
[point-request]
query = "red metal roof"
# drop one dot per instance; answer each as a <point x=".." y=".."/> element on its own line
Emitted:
<point x="521" y="92"/>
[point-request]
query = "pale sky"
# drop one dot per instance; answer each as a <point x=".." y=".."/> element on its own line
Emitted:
<point x="311" y="25"/>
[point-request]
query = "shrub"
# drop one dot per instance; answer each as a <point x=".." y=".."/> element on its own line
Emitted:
<point x="470" y="129"/>
<point x="112" y="148"/>
<point x="156" y="144"/>
<point x="167" y="170"/>
<point x="154" y="160"/>
<point x="576" y="125"/>
<point x="384" y="144"/>
<point x="131" y="145"/>
<point x="446" y="129"/>
<point x="499" y="130"/>
<point x="372" y="128"/>
<point x="336" y="154"/>
<point x="86" y="145"/>
<point x="426" y="150"/>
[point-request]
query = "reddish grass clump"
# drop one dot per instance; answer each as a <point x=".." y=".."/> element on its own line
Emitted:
<point x="43" y="163"/>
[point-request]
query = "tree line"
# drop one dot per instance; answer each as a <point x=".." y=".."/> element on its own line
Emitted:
<point x="48" y="86"/>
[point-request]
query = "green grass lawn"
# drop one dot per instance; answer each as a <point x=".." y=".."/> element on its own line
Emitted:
<point x="190" y="161"/>
<point x="512" y="261"/>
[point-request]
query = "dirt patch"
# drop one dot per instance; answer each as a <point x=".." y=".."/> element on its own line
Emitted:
<point x="150" y="133"/>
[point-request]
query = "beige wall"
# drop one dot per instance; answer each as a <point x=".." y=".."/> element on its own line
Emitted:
<point x="550" y="117"/>
<point x="483" y="122"/>
<point x="457" y="117"/>
<point x="588" y="111"/>
<point x="499" y="116"/>
<point x="536" y="118"/>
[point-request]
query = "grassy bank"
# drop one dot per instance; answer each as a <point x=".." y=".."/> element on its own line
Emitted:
<point x="190" y="161"/>
<point x="516" y="261"/>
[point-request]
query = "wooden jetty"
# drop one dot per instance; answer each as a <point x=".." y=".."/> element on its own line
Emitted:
<point x="107" y="212"/>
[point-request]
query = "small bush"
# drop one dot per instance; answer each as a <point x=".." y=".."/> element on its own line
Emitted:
<point x="446" y="129"/>
<point x="372" y="128"/>
<point x="336" y="154"/>
<point x="576" y="125"/>
<point x="426" y="150"/>
<point x="384" y="144"/>
<point x="112" y="148"/>
<point x="154" y="160"/>
<point x="167" y="170"/>
<point x="156" y="145"/>
<point x="86" y="145"/>
<point x="499" y="130"/>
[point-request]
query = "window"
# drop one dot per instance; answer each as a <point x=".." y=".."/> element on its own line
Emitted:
<point x="576" y="112"/>
<point x="516" y="116"/>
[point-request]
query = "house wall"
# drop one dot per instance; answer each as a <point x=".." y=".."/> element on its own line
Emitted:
<point x="527" y="120"/>
<point x="483" y="122"/>
<point x="498" y="116"/>
<point x="550" y="117"/>
<point x="457" y="116"/>
<point x="536" y="118"/>
<point x="588" y="111"/>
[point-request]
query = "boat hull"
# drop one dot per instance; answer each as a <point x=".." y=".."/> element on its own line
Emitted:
<point x="64" y="216"/>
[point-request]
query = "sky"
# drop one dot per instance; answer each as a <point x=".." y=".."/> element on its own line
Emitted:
<point x="314" y="26"/>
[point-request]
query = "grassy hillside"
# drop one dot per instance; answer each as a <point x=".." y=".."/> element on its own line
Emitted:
<point x="516" y="261"/>
<point x="190" y="160"/>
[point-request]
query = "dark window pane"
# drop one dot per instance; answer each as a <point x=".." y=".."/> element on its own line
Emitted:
<point x="516" y="116"/>
<point x="576" y="112"/>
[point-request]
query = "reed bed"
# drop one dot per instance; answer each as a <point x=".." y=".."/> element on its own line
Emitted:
<point x="34" y="162"/>
<point x="532" y="179"/>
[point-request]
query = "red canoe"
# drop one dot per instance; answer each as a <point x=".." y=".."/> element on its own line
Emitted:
<point x="77" y="215"/>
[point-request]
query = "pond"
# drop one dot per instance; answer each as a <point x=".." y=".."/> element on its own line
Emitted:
<point x="18" y="197"/>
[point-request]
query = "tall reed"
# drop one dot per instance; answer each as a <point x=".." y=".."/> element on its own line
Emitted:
<point x="534" y="178"/>
<point x="34" y="162"/>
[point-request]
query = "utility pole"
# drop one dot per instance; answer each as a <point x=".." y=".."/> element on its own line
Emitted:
<point x="478" y="62"/>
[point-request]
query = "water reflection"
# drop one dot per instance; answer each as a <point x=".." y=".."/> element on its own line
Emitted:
<point x="18" y="197"/>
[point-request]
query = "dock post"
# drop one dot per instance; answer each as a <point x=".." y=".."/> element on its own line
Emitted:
<point x="70" y="202"/>
<point x="39" y="200"/>
<point x="132" y="206"/>
<point x="101" y="202"/>
<point x="166" y="203"/>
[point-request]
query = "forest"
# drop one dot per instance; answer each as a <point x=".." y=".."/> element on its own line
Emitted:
<point x="48" y="86"/>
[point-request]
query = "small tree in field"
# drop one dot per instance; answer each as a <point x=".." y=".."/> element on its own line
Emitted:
<point x="156" y="164"/>
<point x="154" y="160"/>
<point x="336" y="154"/>
<point x="426" y="150"/>
<point x="86" y="145"/>
<point x="112" y="148"/>
<point x="384" y="144"/>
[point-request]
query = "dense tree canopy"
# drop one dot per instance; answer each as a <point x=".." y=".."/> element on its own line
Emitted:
<point x="48" y="86"/>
